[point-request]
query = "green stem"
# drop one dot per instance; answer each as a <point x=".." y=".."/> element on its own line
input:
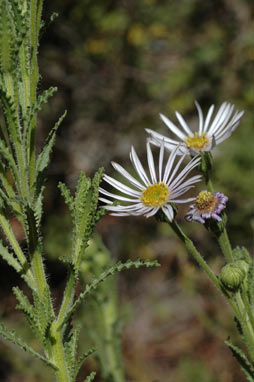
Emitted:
<point x="67" y="299"/>
<point x="246" y="324"/>
<point x="225" y="245"/>
<point x="35" y="19"/>
<point x="58" y="354"/>
<point x="247" y="305"/>
<point x="194" y="252"/>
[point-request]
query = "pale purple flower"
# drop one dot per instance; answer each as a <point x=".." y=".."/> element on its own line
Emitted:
<point x="207" y="205"/>
<point x="211" y="131"/>
<point x="151" y="192"/>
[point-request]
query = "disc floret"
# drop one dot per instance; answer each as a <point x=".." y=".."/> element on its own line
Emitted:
<point x="199" y="142"/>
<point x="156" y="195"/>
<point x="208" y="205"/>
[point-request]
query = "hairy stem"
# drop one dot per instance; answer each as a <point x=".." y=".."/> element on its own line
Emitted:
<point x="194" y="252"/>
<point x="246" y="324"/>
<point x="225" y="245"/>
<point x="62" y="373"/>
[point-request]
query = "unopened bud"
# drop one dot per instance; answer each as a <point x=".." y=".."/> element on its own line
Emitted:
<point x="243" y="265"/>
<point x="232" y="275"/>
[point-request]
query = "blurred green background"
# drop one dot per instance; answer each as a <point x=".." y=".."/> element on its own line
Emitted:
<point x="117" y="65"/>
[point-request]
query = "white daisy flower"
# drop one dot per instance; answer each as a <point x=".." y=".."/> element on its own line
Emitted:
<point x="209" y="134"/>
<point x="150" y="193"/>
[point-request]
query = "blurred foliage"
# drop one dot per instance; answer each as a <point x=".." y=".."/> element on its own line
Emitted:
<point x="117" y="64"/>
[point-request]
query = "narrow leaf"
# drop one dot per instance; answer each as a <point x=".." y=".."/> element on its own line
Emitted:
<point x="111" y="271"/>
<point x="81" y="360"/>
<point x="65" y="192"/>
<point x="245" y="365"/>
<point x="9" y="258"/>
<point x="12" y="337"/>
<point x="250" y="280"/>
<point x="44" y="156"/>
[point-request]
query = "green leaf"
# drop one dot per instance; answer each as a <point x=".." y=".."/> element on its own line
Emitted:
<point x="44" y="156"/>
<point x="29" y="311"/>
<point x="7" y="156"/>
<point x="81" y="359"/>
<point x="245" y="365"/>
<point x="7" y="37"/>
<point x="42" y="99"/>
<point x="10" y="115"/>
<point x="111" y="271"/>
<point x="44" y="312"/>
<point x="82" y="202"/>
<point x="250" y="281"/>
<point x="91" y="377"/>
<point x="12" y="337"/>
<point x="70" y="351"/>
<point x="9" y="258"/>
<point x="65" y="192"/>
<point x="86" y="202"/>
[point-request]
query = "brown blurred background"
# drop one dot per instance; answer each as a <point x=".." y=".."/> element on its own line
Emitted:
<point x="117" y="65"/>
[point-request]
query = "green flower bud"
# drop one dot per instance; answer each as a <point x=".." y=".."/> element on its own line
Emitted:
<point x="232" y="275"/>
<point x="243" y="265"/>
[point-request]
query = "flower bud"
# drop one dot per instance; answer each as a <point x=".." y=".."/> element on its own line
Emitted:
<point x="243" y="265"/>
<point x="232" y="275"/>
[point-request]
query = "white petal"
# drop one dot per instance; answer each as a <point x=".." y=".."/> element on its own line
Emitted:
<point x="173" y="127"/>
<point x="138" y="167"/>
<point x="238" y="116"/>
<point x="169" y="165"/>
<point x="207" y="120"/>
<point x="128" y="176"/>
<point x="182" y="200"/>
<point x="168" y="211"/>
<point x="201" y="119"/>
<point x="223" y="120"/>
<point x="150" y="162"/>
<point x="182" y="175"/>
<point x="168" y="181"/>
<point x="184" y="124"/>
<point x="120" y="186"/>
<point x="179" y="192"/>
<point x="181" y="149"/>
<point x="160" y="137"/>
<point x="223" y="137"/>
<point x="161" y="160"/>
<point x="105" y="200"/>
<point x="218" y="116"/>
<point x="153" y="212"/>
<point x="117" y="197"/>
<point x="187" y="183"/>
<point x="130" y="208"/>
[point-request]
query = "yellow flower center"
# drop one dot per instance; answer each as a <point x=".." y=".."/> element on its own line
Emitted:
<point x="198" y="142"/>
<point x="156" y="195"/>
<point x="206" y="202"/>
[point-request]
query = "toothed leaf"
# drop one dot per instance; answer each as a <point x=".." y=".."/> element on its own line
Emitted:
<point x="65" y="192"/>
<point x="9" y="258"/>
<point x="111" y="271"/>
<point x="245" y="364"/>
<point x="250" y="280"/>
<point x="81" y="360"/>
<point x="43" y="158"/>
<point x="12" y="337"/>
